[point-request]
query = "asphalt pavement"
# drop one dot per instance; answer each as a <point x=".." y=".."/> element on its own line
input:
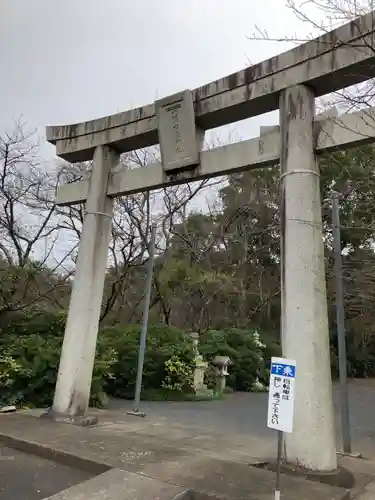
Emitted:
<point x="245" y="414"/>
<point x="28" y="477"/>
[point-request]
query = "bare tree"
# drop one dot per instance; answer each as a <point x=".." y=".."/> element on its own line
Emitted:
<point x="133" y="219"/>
<point x="130" y="237"/>
<point x="28" y="228"/>
<point x="318" y="17"/>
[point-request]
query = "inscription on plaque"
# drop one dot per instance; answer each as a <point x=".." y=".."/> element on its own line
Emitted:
<point x="177" y="131"/>
<point x="175" y="115"/>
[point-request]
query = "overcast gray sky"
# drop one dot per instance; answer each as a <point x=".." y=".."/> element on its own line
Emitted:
<point x="74" y="60"/>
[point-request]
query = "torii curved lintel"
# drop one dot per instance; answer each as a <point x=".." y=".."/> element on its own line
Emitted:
<point x="333" y="61"/>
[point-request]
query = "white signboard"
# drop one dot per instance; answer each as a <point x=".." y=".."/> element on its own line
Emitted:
<point x="281" y="394"/>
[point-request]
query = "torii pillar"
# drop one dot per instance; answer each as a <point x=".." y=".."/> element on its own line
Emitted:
<point x="78" y="352"/>
<point x="304" y="321"/>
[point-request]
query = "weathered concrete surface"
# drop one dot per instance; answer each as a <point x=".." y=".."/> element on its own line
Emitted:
<point x="186" y="468"/>
<point x="335" y="60"/>
<point x="330" y="134"/>
<point x="28" y="477"/>
<point x="179" y="146"/>
<point x="368" y="493"/>
<point x="78" y="351"/>
<point x="95" y="445"/>
<point x="121" y="485"/>
<point x="304" y="318"/>
<point x="223" y="479"/>
<point x="363" y="471"/>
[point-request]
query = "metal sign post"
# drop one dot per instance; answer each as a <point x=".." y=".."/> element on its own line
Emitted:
<point x="142" y="342"/>
<point x="340" y="320"/>
<point x="281" y="405"/>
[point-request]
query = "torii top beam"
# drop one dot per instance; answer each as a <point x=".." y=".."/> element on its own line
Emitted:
<point x="333" y="61"/>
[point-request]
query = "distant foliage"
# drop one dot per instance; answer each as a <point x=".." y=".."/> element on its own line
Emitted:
<point x="39" y="322"/>
<point x="249" y="356"/>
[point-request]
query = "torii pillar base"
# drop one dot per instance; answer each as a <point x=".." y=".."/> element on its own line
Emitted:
<point x="82" y="421"/>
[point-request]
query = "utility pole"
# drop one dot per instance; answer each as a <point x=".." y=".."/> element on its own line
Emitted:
<point x="340" y="321"/>
<point x="142" y="342"/>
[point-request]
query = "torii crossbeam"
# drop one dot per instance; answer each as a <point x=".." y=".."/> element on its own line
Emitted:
<point x="290" y="82"/>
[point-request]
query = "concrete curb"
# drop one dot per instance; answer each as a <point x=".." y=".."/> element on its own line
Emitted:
<point x="118" y="483"/>
<point x="61" y="457"/>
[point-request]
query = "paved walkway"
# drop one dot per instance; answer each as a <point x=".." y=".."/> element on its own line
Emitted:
<point x="241" y="417"/>
<point x="176" y="456"/>
<point x="203" y="445"/>
<point x="29" y="477"/>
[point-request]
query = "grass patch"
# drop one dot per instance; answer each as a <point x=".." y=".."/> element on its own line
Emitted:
<point x="166" y="395"/>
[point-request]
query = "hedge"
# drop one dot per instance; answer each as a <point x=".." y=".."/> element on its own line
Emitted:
<point x="31" y="345"/>
<point x="28" y="369"/>
<point x="163" y="343"/>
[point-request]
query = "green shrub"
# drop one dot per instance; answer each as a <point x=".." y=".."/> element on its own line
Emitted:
<point x="270" y="349"/>
<point x="163" y="343"/>
<point x="30" y="365"/>
<point x="178" y="375"/>
<point x="166" y="395"/>
<point x="29" y="362"/>
<point x="248" y="361"/>
<point x="249" y="356"/>
<point x="210" y="377"/>
<point x="360" y="356"/>
<point x="45" y="323"/>
<point x="105" y="359"/>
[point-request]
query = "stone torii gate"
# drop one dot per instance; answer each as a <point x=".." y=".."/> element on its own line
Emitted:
<point x="290" y="82"/>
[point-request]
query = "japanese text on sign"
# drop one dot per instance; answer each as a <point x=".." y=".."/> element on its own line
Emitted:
<point x="281" y="394"/>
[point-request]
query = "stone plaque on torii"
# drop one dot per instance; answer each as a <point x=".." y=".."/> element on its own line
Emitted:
<point x="290" y="82"/>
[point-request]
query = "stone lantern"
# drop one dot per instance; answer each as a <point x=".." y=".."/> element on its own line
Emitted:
<point x="221" y="364"/>
<point x="200" y="367"/>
